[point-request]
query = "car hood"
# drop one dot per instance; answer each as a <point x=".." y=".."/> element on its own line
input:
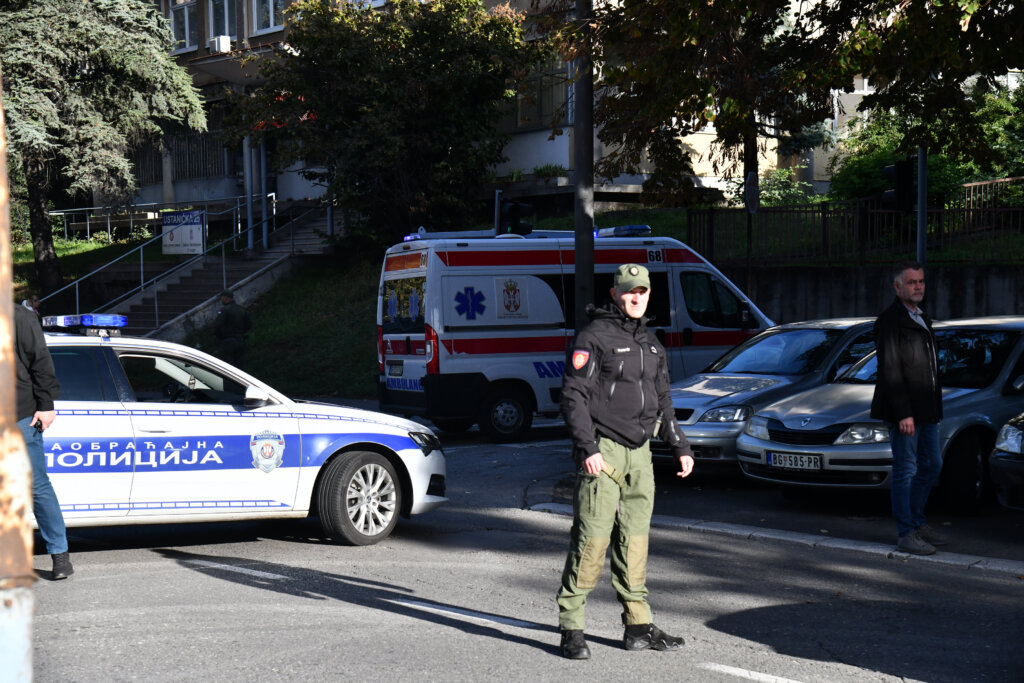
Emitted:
<point x="371" y="416"/>
<point x="834" y="404"/>
<point x="721" y="388"/>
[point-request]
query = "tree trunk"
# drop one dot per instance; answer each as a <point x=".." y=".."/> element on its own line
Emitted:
<point x="48" y="274"/>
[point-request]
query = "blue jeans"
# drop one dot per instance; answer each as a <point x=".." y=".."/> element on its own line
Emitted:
<point x="916" y="464"/>
<point x="44" y="499"/>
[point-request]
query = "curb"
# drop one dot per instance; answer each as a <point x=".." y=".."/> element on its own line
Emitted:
<point x="974" y="562"/>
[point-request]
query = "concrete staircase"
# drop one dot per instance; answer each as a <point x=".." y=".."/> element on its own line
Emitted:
<point x="190" y="299"/>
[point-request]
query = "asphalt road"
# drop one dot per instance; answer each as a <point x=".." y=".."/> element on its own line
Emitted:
<point x="466" y="593"/>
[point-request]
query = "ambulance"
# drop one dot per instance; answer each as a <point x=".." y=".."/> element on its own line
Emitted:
<point x="473" y="328"/>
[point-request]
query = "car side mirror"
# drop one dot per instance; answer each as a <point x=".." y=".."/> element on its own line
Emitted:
<point x="747" y="321"/>
<point x="1018" y="383"/>
<point x="256" y="397"/>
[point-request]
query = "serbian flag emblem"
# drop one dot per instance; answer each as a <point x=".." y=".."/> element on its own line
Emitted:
<point x="580" y="358"/>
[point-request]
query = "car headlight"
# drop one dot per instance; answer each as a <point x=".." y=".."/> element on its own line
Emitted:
<point x="726" y="414"/>
<point x="1009" y="440"/>
<point x="427" y="441"/>
<point x="757" y="428"/>
<point x="863" y="433"/>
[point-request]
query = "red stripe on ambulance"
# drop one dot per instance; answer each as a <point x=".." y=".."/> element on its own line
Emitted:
<point x="505" y="345"/>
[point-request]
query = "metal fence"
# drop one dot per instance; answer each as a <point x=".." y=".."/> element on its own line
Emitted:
<point x="851" y="233"/>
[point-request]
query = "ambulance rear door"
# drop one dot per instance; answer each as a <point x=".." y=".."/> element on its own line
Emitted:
<point x="403" y="349"/>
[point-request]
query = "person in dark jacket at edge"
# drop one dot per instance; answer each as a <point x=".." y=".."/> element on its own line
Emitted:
<point x="908" y="399"/>
<point x="231" y="327"/>
<point x="37" y="388"/>
<point x="615" y="397"/>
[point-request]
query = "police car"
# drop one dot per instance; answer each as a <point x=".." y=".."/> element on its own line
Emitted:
<point x="149" y="432"/>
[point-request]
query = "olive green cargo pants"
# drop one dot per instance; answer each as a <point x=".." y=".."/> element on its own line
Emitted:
<point x="607" y="513"/>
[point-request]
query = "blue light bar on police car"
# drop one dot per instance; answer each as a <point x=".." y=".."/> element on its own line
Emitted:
<point x="86" y="320"/>
<point x="624" y="231"/>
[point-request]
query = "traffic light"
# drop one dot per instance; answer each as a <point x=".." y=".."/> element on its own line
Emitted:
<point x="512" y="218"/>
<point x="900" y="178"/>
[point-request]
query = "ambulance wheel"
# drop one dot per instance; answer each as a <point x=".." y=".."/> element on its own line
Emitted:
<point x="452" y="424"/>
<point x="359" y="499"/>
<point x="506" y="414"/>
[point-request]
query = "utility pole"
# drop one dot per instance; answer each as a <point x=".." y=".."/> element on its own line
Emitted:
<point x="583" y="152"/>
<point x="16" y="576"/>
<point x="922" y="204"/>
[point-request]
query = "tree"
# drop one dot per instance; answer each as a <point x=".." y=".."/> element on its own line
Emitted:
<point x="83" y="83"/>
<point x="920" y="56"/>
<point x="669" y="68"/>
<point x="394" y="110"/>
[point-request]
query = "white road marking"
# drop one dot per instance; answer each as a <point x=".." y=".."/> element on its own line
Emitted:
<point x="476" y="616"/>
<point x="745" y="673"/>
<point x="232" y="568"/>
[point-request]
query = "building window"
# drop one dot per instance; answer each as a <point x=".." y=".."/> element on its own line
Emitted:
<point x="184" y="24"/>
<point x="222" y="18"/>
<point x="542" y="103"/>
<point x="268" y="14"/>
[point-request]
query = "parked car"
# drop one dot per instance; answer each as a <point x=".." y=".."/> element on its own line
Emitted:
<point x="826" y="437"/>
<point x="1006" y="463"/>
<point x="151" y="432"/>
<point x="713" y="407"/>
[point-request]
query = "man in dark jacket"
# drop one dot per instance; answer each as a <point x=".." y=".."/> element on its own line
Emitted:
<point x="615" y="396"/>
<point x="230" y="327"/>
<point x="909" y="399"/>
<point x="37" y="387"/>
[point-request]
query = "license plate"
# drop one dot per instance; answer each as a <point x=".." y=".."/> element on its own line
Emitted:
<point x="794" y="461"/>
<point x="395" y="369"/>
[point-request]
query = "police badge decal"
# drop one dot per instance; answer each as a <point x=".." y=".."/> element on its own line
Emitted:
<point x="267" y="450"/>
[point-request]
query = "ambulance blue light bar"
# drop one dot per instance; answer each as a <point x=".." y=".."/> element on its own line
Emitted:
<point x="624" y="231"/>
<point x="106" y="320"/>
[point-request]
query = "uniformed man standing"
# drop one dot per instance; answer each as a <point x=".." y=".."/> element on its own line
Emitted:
<point x="231" y="326"/>
<point x="614" y="397"/>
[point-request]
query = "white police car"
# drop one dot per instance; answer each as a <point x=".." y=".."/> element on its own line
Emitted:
<point x="148" y="432"/>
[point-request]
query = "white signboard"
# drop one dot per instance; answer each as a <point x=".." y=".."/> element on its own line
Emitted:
<point x="183" y="232"/>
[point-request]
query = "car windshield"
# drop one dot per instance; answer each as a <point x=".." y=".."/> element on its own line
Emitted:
<point x="968" y="359"/>
<point x="779" y="352"/>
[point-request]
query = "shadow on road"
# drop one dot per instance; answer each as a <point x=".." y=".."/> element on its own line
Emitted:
<point x="365" y="593"/>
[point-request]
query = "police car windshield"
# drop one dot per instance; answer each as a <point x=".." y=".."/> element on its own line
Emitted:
<point x="779" y="352"/>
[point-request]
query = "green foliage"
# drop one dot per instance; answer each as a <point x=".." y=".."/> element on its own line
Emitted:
<point x="777" y="187"/>
<point x="84" y="82"/>
<point x="393" y="111"/>
<point x="548" y="171"/>
<point x="927" y="61"/>
<point x="668" y="69"/>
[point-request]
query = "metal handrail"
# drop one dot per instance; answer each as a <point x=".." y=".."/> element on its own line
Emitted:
<point x="144" y="284"/>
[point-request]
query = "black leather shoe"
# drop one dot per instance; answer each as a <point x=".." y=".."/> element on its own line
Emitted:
<point x="574" y="646"/>
<point x="649" y="636"/>
<point x="62" y="568"/>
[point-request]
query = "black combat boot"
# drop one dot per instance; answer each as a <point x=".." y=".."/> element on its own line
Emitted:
<point x="574" y="646"/>
<point x="62" y="568"/>
<point x="649" y="636"/>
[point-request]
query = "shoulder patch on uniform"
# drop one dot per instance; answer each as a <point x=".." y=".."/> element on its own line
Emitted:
<point x="580" y="358"/>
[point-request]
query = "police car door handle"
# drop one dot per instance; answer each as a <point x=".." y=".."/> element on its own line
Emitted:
<point x="154" y="431"/>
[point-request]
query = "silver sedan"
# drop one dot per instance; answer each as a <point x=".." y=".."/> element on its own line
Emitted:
<point x="825" y="437"/>
<point x="713" y="407"/>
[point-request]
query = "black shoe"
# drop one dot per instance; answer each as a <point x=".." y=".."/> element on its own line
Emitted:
<point x="574" y="646"/>
<point x="649" y="636"/>
<point x="62" y="568"/>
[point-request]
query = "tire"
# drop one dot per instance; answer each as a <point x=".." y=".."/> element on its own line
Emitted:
<point x="453" y="424"/>
<point x="965" y="484"/>
<point x="360" y="499"/>
<point x="506" y="414"/>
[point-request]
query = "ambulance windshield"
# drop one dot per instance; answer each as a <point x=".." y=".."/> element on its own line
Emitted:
<point x="402" y="310"/>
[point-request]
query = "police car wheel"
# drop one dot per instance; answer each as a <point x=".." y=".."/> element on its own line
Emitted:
<point x="506" y="415"/>
<point x="360" y="499"/>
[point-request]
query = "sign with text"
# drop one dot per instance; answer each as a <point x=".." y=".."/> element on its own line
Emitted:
<point x="183" y="232"/>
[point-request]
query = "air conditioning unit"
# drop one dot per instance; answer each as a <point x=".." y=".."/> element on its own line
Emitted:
<point x="220" y="44"/>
